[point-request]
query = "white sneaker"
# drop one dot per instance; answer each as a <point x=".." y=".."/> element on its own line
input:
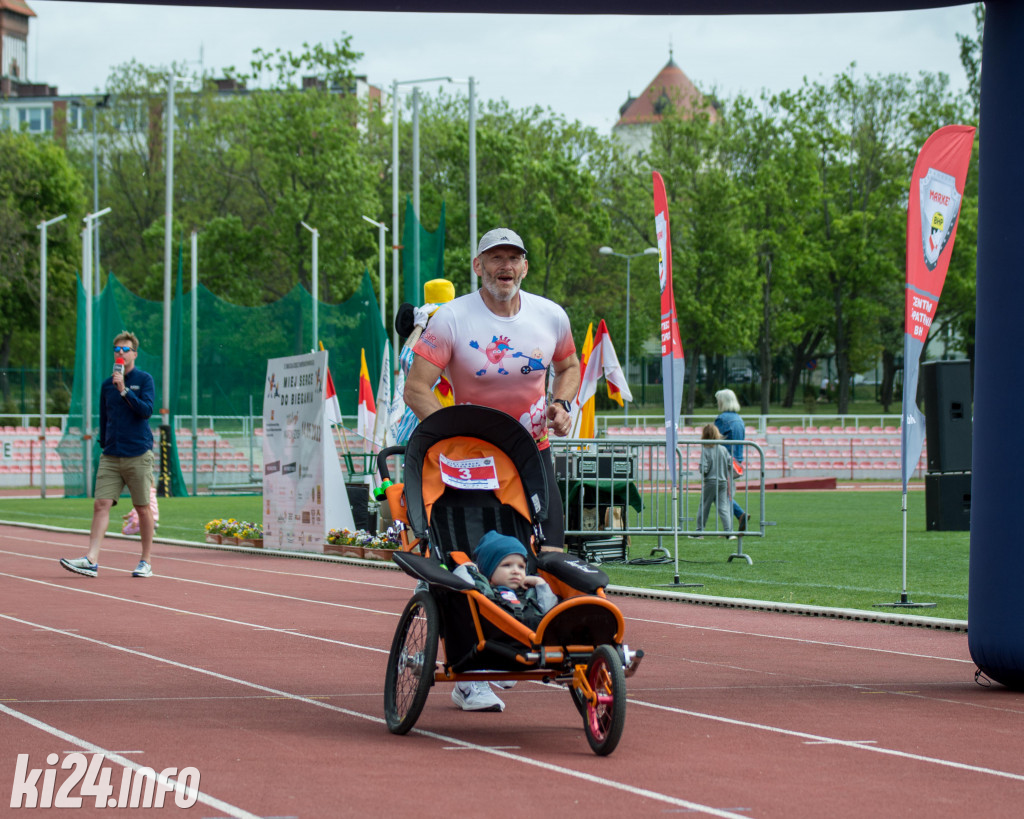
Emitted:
<point x="504" y="685"/>
<point x="476" y="696"/>
<point x="81" y="565"/>
<point x="143" y="570"/>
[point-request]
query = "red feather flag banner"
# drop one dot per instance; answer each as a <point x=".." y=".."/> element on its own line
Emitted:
<point x="936" y="190"/>
<point x="672" y="362"/>
<point x="933" y="210"/>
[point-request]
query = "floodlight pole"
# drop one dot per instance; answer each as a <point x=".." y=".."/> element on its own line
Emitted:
<point x="607" y="251"/>
<point x="87" y="283"/>
<point x="381" y="229"/>
<point x="96" y="187"/>
<point x="394" y="186"/>
<point x="472" y="178"/>
<point x="193" y="294"/>
<point x="41" y="227"/>
<point x="316" y="285"/>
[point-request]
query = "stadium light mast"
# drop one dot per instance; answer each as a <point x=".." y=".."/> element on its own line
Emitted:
<point x="381" y="229"/>
<point x="394" y="186"/>
<point x="41" y="227"/>
<point x="316" y="285"/>
<point x="648" y="251"/>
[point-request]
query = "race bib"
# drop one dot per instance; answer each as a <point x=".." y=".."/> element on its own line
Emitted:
<point x="473" y="473"/>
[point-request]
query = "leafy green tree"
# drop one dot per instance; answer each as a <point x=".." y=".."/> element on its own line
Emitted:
<point x="37" y="183"/>
<point x="771" y="153"/>
<point x="712" y="256"/>
<point x="292" y="154"/>
<point x="862" y="165"/>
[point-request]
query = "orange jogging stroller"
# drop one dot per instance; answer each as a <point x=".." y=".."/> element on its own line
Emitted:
<point x="469" y="470"/>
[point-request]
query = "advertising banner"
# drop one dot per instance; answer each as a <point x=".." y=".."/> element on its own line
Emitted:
<point x="936" y="190"/>
<point x="672" y="362"/>
<point x="304" y="492"/>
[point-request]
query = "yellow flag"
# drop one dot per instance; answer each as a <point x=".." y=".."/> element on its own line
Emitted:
<point x="587" y="410"/>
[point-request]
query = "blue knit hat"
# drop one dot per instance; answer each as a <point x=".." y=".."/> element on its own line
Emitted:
<point x="493" y="548"/>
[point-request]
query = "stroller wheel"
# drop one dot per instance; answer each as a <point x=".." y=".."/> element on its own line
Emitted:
<point x="604" y="721"/>
<point x="410" y="671"/>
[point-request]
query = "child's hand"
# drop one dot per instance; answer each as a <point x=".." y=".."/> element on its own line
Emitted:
<point x="530" y="580"/>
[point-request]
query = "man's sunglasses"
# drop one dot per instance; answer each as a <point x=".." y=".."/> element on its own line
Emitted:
<point x="122" y="349"/>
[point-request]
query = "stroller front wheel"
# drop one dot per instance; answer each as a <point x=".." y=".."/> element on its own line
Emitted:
<point x="410" y="671"/>
<point x="604" y="721"/>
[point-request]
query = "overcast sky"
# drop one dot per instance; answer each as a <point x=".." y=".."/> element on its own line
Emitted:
<point x="581" y="66"/>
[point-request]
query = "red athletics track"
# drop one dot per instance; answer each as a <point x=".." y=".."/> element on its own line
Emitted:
<point x="266" y="675"/>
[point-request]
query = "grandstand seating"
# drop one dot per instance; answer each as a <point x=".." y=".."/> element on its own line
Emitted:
<point x="812" y="451"/>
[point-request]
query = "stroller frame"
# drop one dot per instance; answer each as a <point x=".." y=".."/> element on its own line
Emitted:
<point x="578" y="642"/>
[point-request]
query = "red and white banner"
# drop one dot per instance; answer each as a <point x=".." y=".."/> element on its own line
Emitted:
<point x="672" y="362"/>
<point x="332" y="408"/>
<point x="933" y="209"/>
<point x="601" y="361"/>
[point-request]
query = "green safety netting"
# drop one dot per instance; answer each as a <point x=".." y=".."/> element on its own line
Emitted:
<point x="431" y="247"/>
<point x="233" y="345"/>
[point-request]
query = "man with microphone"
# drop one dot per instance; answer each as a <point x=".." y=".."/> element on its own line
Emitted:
<point x="126" y="441"/>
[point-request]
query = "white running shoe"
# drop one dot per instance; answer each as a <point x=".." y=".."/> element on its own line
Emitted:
<point x="143" y="570"/>
<point x="504" y="685"/>
<point x="80" y="565"/>
<point x="476" y="696"/>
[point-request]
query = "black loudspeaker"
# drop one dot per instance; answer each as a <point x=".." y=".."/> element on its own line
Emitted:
<point x="947" y="409"/>
<point x="359" y="499"/>
<point x="947" y="501"/>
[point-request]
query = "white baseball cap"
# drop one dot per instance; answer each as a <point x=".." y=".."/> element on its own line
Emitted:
<point x="499" y="236"/>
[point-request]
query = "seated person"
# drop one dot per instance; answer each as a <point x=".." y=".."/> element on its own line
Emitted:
<point x="500" y="573"/>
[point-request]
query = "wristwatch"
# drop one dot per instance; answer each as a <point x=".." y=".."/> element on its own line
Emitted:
<point x="564" y="404"/>
<point x="124" y="392"/>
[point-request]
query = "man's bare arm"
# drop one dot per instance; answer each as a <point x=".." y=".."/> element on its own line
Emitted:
<point x="419" y="387"/>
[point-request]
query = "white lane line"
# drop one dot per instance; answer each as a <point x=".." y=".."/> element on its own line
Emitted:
<point x="233" y="567"/>
<point x="804" y="640"/>
<point x="174" y="610"/>
<point x="445" y="740"/>
<point x="243" y="589"/>
<point x="114" y="756"/>
<point x="848" y="743"/>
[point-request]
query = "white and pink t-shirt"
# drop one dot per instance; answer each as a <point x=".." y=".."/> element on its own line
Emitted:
<point x="497" y="361"/>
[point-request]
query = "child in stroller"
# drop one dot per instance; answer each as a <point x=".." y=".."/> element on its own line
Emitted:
<point x="500" y="573"/>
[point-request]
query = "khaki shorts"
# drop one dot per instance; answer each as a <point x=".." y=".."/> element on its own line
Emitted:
<point x="114" y="474"/>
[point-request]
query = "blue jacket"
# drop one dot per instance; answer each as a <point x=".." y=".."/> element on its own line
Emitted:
<point x="124" y="422"/>
<point x="733" y="429"/>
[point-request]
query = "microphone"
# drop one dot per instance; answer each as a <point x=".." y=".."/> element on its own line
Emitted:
<point x="119" y="365"/>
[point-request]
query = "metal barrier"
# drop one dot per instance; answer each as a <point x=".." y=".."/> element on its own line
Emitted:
<point x="615" y="489"/>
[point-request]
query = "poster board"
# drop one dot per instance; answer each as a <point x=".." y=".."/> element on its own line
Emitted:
<point x="304" y="492"/>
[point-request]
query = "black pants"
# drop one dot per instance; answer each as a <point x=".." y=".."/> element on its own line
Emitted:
<point x="554" y="526"/>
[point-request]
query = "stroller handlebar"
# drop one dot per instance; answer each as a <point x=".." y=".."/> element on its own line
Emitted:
<point x="382" y="460"/>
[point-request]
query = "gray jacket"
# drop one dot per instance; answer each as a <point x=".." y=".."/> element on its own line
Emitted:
<point x="715" y="463"/>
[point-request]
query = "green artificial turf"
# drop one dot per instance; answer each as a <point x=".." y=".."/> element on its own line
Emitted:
<point x="840" y="548"/>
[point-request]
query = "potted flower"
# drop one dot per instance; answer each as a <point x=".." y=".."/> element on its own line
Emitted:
<point x="250" y="535"/>
<point x="229" y="531"/>
<point x="343" y="542"/>
<point x="381" y="545"/>
<point x="213" y="531"/>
